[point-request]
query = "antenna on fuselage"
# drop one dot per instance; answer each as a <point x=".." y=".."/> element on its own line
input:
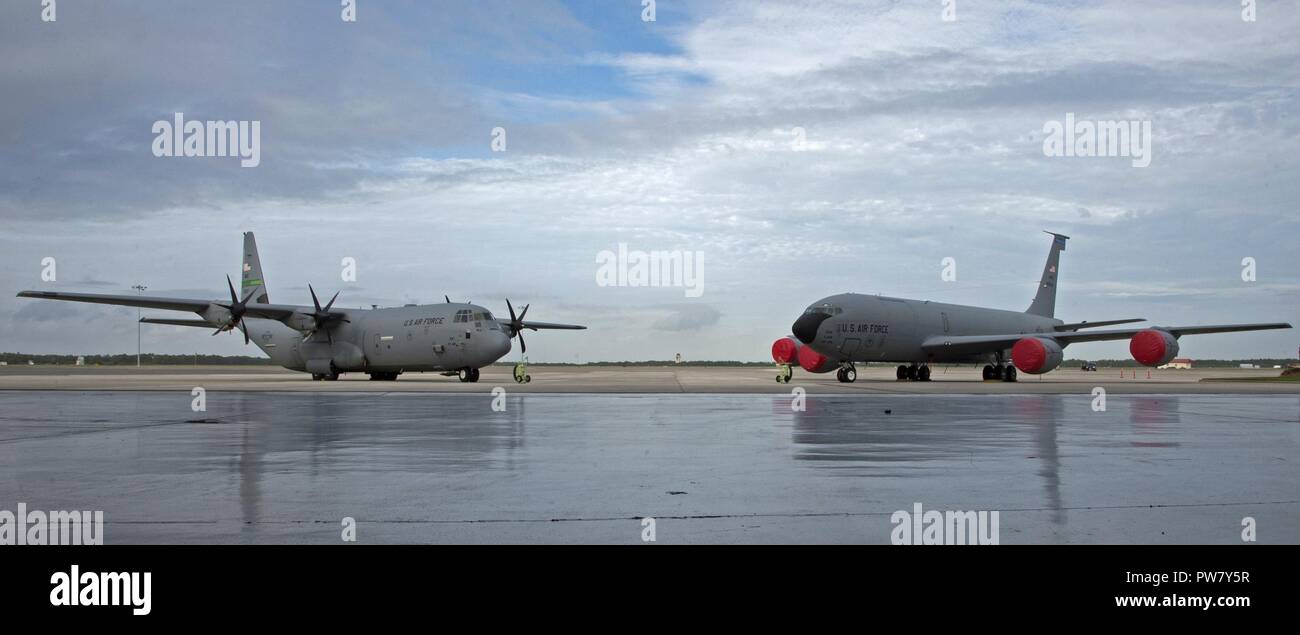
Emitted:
<point x="447" y="298"/>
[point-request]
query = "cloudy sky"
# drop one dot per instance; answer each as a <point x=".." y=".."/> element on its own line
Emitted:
<point x="922" y="139"/>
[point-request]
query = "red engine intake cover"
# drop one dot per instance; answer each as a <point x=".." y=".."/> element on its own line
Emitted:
<point x="814" y="362"/>
<point x="1036" y="355"/>
<point x="785" y="350"/>
<point x="1152" y="347"/>
<point x="1029" y="355"/>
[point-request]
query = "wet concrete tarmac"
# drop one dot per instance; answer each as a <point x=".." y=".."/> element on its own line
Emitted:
<point x="445" y="468"/>
<point x="651" y="379"/>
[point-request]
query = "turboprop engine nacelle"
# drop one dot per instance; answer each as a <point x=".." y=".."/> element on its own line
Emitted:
<point x="1036" y="355"/>
<point x="216" y="315"/>
<point x="348" y="357"/>
<point x="1153" y="347"/>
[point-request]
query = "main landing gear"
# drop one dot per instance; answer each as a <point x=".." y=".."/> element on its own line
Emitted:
<point x="913" y="372"/>
<point x="384" y="376"/>
<point x="999" y="372"/>
<point x="847" y="374"/>
<point x="333" y="375"/>
<point x="467" y="375"/>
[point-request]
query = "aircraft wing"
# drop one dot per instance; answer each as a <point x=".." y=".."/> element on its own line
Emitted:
<point x="198" y="323"/>
<point x="1074" y="326"/>
<point x="550" y="325"/>
<point x="271" y="311"/>
<point x="143" y="301"/>
<point x="974" y="344"/>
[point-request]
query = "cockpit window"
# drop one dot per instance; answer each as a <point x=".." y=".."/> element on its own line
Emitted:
<point x="824" y="309"/>
<point x="463" y="315"/>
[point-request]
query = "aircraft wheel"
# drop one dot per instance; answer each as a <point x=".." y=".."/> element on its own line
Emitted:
<point x="473" y="375"/>
<point x="850" y="375"/>
<point x="316" y="377"/>
<point x="988" y="372"/>
<point x="923" y="374"/>
<point x="902" y="372"/>
<point x="1009" y="374"/>
<point x="839" y="375"/>
<point x="999" y="371"/>
<point x="463" y="375"/>
<point x="528" y="379"/>
<point x="332" y="377"/>
<point x="911" y="373"/>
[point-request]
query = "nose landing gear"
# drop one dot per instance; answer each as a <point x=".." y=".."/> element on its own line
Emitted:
<point x="847" y="374"/>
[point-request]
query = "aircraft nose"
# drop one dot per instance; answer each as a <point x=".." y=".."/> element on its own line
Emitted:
<point x="805" y="328"/>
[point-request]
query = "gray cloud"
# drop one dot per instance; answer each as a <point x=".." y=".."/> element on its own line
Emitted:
<point x="924" y="141"/>
<point x="687" y="317"/>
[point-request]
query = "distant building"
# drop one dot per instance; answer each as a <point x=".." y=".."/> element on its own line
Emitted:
<point x="81" y="360"/>
<point x="1180" y="363"/>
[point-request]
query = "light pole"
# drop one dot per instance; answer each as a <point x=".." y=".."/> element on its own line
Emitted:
<point x="140" y="288"/>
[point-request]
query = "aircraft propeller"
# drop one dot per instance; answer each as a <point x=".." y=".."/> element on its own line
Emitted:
<point x="323" y="315"/>
<point x="237" y="308"/>
<point x="517" y="325"/>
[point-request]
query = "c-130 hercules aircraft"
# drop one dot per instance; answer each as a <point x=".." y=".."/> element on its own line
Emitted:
<point x="451" y="338"/>
<point x="837" y="331"/>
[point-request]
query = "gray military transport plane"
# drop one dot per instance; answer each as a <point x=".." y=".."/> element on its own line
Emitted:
<point x="451" y="338"/>
<point x="837" y="331"/>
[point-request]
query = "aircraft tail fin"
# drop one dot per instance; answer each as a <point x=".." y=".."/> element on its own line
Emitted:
<point x="1044" y="303"/>
<point x="251" y="279"/>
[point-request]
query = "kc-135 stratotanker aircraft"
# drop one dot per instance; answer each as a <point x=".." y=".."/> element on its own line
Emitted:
<point x="451" y="338"/>
<point x="837" y="331"/>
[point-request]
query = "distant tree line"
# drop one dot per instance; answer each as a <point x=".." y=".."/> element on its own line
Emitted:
<point x="1196" y="363"/>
